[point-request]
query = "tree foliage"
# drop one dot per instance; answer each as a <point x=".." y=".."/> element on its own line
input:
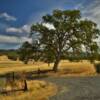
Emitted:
<point x="25" y="52"/>
<point x="70" y="33"/>
<point x="47" y="56"/>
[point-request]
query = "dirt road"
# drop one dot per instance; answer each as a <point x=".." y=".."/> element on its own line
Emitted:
<point x="76" y="88"/>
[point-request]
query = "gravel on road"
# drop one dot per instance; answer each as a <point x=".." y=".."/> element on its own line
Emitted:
<point x="76" y="88"/>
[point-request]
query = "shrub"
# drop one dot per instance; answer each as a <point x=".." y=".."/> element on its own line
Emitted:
<point x="97" y="67"/>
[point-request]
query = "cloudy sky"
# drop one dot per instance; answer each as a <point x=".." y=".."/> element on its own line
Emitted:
<point x="16" y="16"/>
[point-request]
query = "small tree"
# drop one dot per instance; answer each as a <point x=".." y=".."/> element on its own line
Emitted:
<point x="13" y="54"/>
<point x="25" y="52"/>
<point x="69" y="33"/>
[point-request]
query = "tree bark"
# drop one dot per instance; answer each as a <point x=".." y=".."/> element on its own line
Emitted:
<point x="55" y="67"/>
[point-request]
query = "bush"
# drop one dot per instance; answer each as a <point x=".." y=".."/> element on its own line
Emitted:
<point x="13" y="55"/>
<point x="14" y="58"/>
<point x="97" y="67"/>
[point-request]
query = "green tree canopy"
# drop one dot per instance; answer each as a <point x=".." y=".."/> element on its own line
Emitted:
<point x="25" y="52"/>
<point x="68" y="33"/>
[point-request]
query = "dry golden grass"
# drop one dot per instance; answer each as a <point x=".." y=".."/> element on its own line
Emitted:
<point x="66" y="68"/>
<point x="38" y="90"/>
<point x="77" y="67"/>
<point x="9" y="66"/>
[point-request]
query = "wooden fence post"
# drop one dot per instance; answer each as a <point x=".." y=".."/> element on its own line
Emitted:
<point x="25" y="85"/>
<point x="13" y="76"/>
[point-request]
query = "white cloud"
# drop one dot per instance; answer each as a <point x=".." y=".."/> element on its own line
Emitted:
<point x="92" y="12"/>
<point x="23" y="29"/>
<point x="13" y="39"/>
<point x="23" y="39"/>
<point x="13" y="29"/>
<point x="49" y="26"/>
<point x="7" y="17"/>
<point x="26" y="28"/>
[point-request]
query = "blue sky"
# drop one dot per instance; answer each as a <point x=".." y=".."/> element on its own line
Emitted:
<point x="17" y="16"/>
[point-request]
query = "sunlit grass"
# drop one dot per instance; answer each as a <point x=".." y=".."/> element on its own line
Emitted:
<point x="9" y="66"/>
<point x="40" y="90"/>
<point x="37" y="90"/>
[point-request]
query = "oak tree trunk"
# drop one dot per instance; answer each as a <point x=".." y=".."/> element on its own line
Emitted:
<point x="57" y="61"/>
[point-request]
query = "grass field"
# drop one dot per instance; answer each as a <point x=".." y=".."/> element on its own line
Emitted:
<point x="40" y="90"/>
<point x="9" y="66"/>
<point x="37" y="90"/>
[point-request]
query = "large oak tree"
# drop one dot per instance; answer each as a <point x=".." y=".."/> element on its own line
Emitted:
<point x="69" y="32"/>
